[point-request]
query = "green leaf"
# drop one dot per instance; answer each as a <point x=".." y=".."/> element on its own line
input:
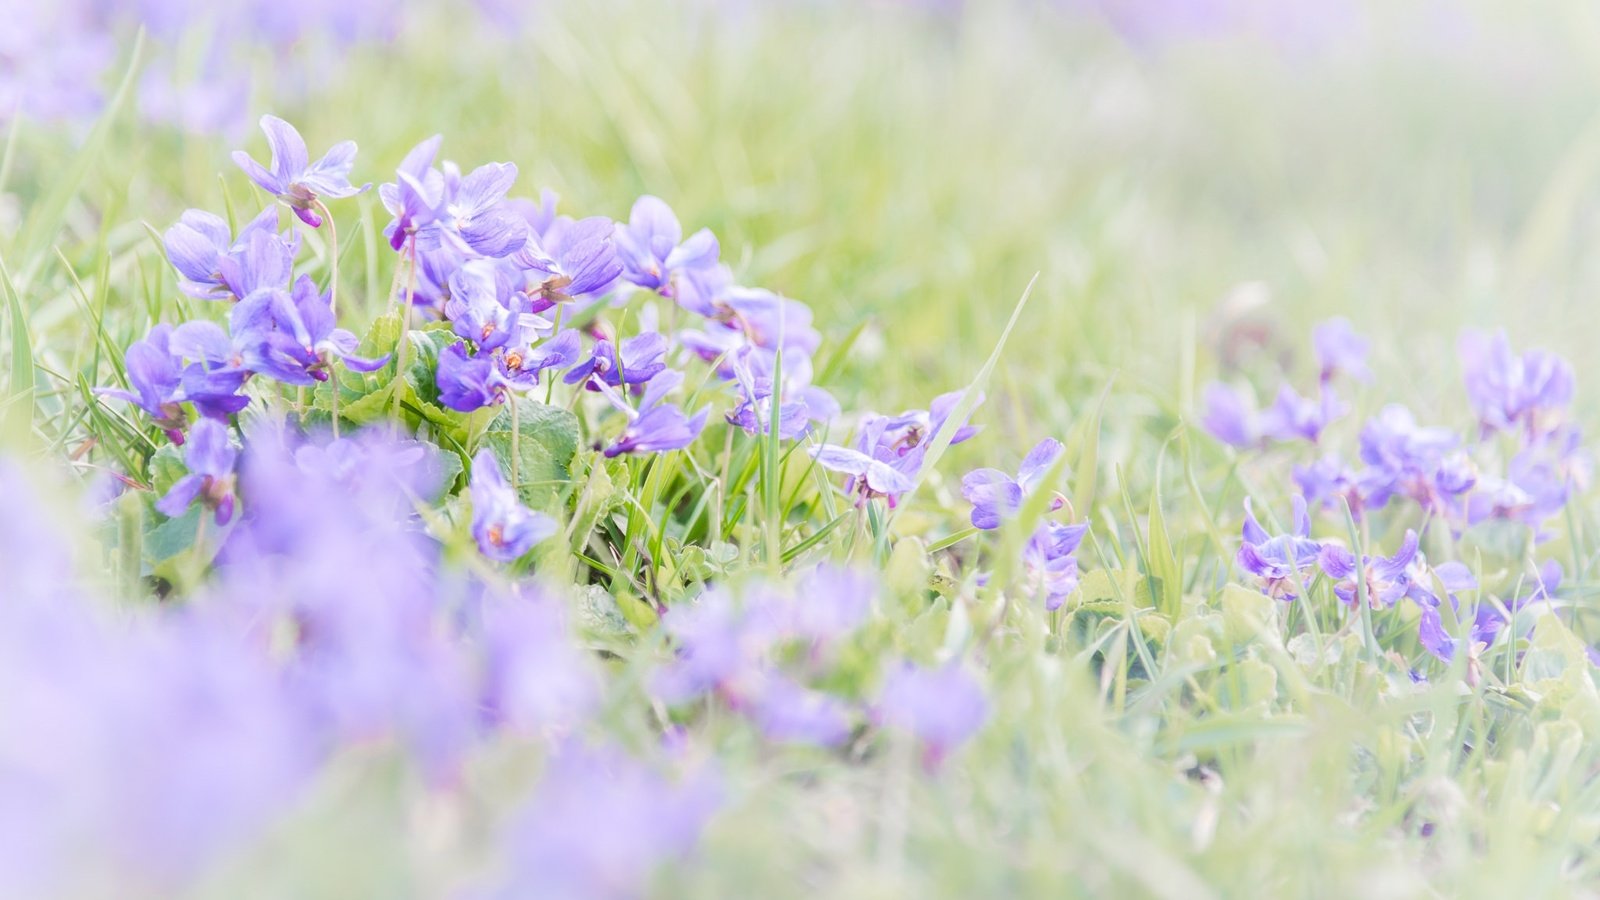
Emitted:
<point x="546" y="444"/>
<point x="172" y="536"/>
<point x="17" y="412"/>
<point x="165" y="468"/>
<point x="1160" y="561"/>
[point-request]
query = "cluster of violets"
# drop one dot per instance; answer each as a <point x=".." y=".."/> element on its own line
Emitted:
<point x="157" y="742"/>
<point x="297" y="656"/>
<point x="1518" y="465"/>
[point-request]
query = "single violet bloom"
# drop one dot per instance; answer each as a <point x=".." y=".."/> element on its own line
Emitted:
<point x="1530" y="392"/>
<point x="156" y="377"/>
<point x="416" y="197"/>
<point x="941" y="707"/>
<point x="571" y="259"/>
<point x="869" y="477"/>
<point x="789" y="713"/>
<point x="293" y="336"/>
<point x="475" y="213"/>
<point x="523" y="365"/>
<point x="649" y="249"/>
<point x="996" y="496"/>
<point x="468" y="383"/>
<point x="504" y="529"/>
<point x="656" y="426"/>
<point x="210" y="456"/>
<point x="1050" y="560"/>
<point x="296" y="180"/>
<point x="1341" y="351"/>
<point x="1280" y="563"/>
<point x="641" y="359"/>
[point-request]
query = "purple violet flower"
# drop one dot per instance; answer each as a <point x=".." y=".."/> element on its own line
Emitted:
<point x="642" y="358"/>
<point x="1282" y="562"/>
<point x="416" y="197"/>
<point x="996" y="496"/>
<point x="504" y="529"/>
<point x="1404" y="458"/>
<point x="475" y="213"/>
<point x="1530" y="392"/>
<point x="292" y="336"/>
<point x="210" y="457"/>
<point x="156" y="378"/>
<point x="214" y="265"/>
<point x="790" y="713"/>
<point x="1050" y="561"/>
<point x="570" y="259"/>
<point x="1341" y="351"/>
<point x="656" y="426"/>
<point x="468" y="383"/>
<point x="600" y="824"/>
<point x="649" y="249"/>
<point x="941" y="707"/>
<point x="293" y="178"/>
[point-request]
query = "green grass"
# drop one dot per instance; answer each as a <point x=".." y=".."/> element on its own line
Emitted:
<point x="1165" y="734"/>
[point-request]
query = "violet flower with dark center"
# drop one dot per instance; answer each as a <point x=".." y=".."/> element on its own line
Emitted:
<point x="156" y="377"/>
<point x="523" y="364"/>
<point x="296" y="180"/>
<point x="996" y="496"/>
<point x="869" y="477"/>
<point x="504" y="529"/>
<point x="940" y="707"/>
<point x="479" y="308"/>
<point x="1390" y="578"/>
<point x="210" y="456"/>
<point x="1231" y="416"/>
<point x="416" y="197"/>
<point x="754" y="412"/>
<point x="656" y="426"/>
<point x="468" y="383"/>
<point x="641" y="359"/>
<point x="570" y="259"/>
<point x="1280" y="563"/>
<point x="292" y="337"/>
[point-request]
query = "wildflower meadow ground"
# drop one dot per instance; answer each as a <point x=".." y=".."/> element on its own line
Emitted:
<point x="772" y="448"/>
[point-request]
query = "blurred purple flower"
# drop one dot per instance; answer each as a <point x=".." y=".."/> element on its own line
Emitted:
<point x="641" y="359"/>
<point x="941" y="707"/>
<point x="1341" y="351"/>
<point x="1530" y="392"/>
<point x="600" y="824"/>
